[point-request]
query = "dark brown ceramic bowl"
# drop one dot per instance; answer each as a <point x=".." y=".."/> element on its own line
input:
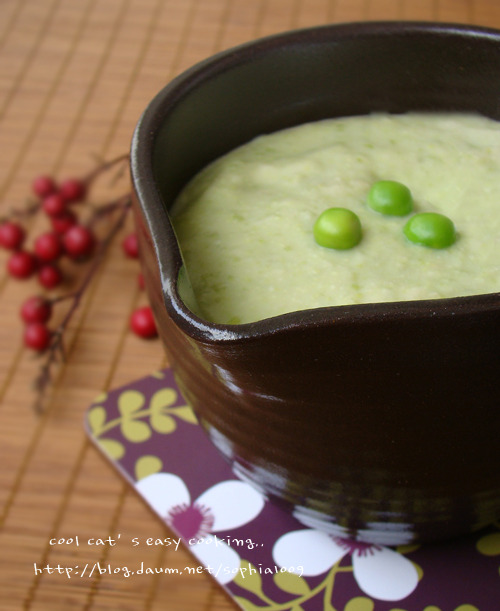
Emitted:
<point x="379" y="421"/>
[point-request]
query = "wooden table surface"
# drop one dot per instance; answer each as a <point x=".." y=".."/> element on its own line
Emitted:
<point x="74" y="78"/>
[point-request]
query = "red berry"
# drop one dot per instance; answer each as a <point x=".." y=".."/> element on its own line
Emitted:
<point x="49" y="275"/>
<point x="143" y="323"/>
<point x="130" y="246"/>
<point x="54" y="204"/>
<point x="21" y="264"/>
<point x="48" y="247"/>
<point x="37" y="336"/>
<point x="43" y="186"/>
<point x="73" y="190"/>
<point x="11" y="235"/>
<point x="36" y="309"/>
<point x="78" y="241"/>
<point x="62" y="222"/>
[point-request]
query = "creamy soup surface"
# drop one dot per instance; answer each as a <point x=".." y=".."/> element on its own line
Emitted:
<point x="245" y="223"/>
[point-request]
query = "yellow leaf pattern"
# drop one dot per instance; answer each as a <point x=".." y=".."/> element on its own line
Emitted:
<point x="163" y="423"/>
<point x="162" y="398"/>
<point x="489" y="545"/>
<point x="129" y="402"/>
<point x="139" y="418"/>
<point x="290" y="582"/>
<point x="114" y="449"/>
<point x="147" y="465"/>
<point x="96" y="419"/>
<point x="360" y="603"/>
<point x="185" y="413"/>
<point x="135" y="431"/>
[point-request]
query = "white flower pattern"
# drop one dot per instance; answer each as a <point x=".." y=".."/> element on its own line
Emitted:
<point x="196" y="521"/>
<point x="379" y="571"/>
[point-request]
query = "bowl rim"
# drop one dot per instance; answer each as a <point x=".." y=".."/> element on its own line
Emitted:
<point x="157" y="218"/>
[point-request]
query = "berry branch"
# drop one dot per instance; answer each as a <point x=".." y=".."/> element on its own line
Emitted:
<point x="55" y="348"/>
<point x="74" y="239"/>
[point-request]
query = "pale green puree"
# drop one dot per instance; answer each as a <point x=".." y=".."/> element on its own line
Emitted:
<point x="246" y="223"/>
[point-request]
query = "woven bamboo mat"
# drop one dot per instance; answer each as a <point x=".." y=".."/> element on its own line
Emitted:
<point x="74" y="77"/>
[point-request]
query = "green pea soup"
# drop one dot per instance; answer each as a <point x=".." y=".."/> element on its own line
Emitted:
<point x="245" y="223"/>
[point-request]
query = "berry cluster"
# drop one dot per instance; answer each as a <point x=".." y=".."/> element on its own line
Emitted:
<point x="68" y="237"/>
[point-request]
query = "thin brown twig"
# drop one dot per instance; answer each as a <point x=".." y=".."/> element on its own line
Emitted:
<point x="33" y="206"/>
<point x="103" y="167"/>
<point x="29" y="209"/>
<point x="107" y="209"/>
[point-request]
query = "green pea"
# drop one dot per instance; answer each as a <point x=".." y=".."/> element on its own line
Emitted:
<point x="337" y="228"/>
<point x="430" y="229"/>
<point x="390" y="197"/>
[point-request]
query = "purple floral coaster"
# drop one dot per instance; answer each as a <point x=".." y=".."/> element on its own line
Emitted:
<point x="261" y="555"/>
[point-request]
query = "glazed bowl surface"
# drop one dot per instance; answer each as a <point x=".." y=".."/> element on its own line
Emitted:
<point x="374" y="421"/>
